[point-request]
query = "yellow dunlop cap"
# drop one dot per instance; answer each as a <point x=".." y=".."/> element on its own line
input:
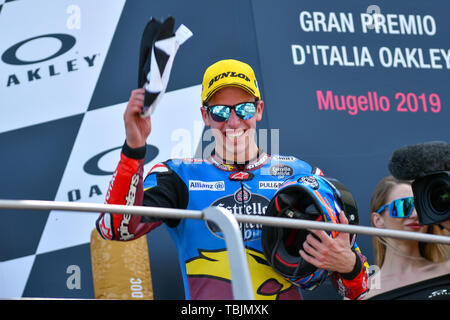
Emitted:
<point x="226" y="73"/>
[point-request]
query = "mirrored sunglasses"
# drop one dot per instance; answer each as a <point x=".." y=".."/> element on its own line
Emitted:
<point x="399" y="208"/>
<point x="221" y="113"/>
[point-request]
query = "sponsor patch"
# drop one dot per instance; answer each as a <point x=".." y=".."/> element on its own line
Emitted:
<point x="309" y="181"/>
<point x="284" y="158"/>
<point x="131" y="196"/>
<point x="274" y="185"/>
<point x="241" y="176"/>
<point x="255" y="165"/>
<point x="226" y="75"/>
<point x="123" y="229"/>
<point x="242" y="195"/>
<point x="197" y="185"/>
<point x="281" y="171"/>
<point x="253" y="204"/>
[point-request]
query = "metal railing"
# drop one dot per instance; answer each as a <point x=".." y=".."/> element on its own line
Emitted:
<point x="228" y="223"/>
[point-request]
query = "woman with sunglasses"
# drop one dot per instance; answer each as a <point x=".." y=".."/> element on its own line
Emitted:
<point x="403" y="262"/>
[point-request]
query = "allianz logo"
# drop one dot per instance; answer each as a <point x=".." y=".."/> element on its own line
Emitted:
<point x="197" y="185"/>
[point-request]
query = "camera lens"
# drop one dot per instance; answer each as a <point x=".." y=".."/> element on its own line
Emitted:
<point x="432" y="197"/>
<point x="440" y="196"/>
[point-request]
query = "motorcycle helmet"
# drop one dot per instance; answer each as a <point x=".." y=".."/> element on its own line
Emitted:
<point x="310" y="197"/>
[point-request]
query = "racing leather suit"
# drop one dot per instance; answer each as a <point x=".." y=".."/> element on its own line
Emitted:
<point x="196" y="184"/>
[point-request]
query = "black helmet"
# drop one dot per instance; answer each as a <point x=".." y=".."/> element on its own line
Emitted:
<point x="309" y="197"/>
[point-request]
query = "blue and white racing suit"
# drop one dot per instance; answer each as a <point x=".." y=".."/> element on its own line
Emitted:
<point x="199" y="183"/>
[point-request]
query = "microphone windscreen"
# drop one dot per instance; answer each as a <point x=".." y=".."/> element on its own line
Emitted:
<point x="411" y="162"/>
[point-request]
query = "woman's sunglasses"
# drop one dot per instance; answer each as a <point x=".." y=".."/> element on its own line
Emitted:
<point x="221" y="113"/>
<point x="399" y="208"/>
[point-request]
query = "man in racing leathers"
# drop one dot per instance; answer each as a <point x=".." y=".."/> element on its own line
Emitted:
<point x="237" y="176"/>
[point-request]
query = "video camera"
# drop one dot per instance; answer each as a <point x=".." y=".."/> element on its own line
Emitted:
<point x="428" y="164"/>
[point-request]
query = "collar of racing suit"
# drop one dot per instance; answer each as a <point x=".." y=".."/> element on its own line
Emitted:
<point x="261" y="159"/>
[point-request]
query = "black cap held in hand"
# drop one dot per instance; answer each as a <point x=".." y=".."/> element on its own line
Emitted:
<point x="148" y="39"/>
<point x="154" y="30"/>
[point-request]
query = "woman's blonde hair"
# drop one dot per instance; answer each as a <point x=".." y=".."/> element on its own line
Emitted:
<point x="430" y="251"/>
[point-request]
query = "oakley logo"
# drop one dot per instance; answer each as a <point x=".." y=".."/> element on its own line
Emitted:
<point x="226" y="75"/>
<point x="67" y="43"/>
<point x="92" y="166"/>
<point x="39" y="50"/>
